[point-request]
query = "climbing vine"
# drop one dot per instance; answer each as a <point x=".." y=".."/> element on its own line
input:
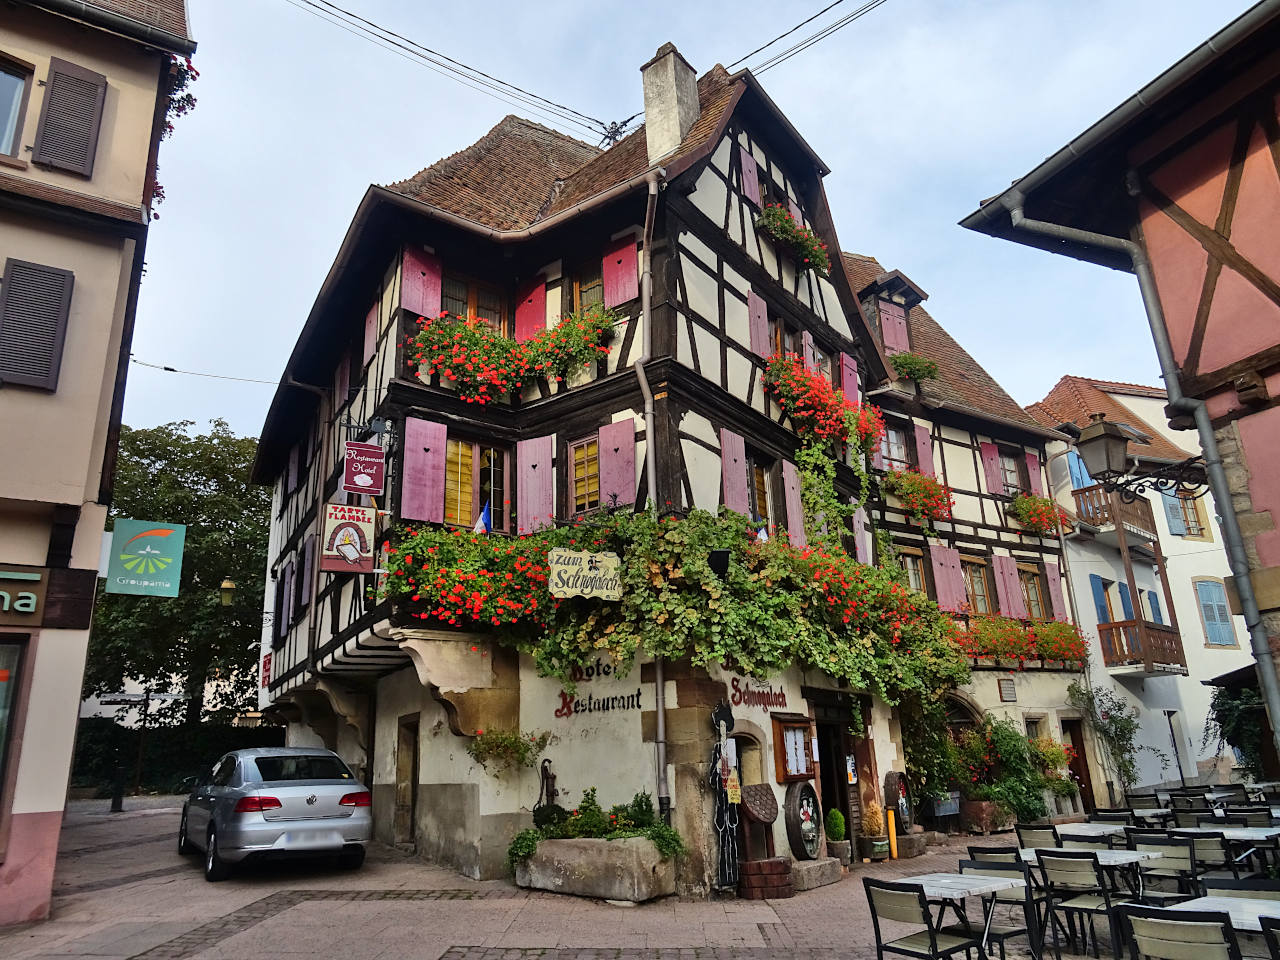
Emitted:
<point x="1237" y="719"/>
<point x="1115" y="723"/>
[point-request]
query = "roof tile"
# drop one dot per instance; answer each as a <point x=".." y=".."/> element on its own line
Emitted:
<point x="1073" y="399"/>
<point x="170" y="15"/>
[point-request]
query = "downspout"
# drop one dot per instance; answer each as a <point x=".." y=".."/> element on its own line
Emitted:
<point x="651" y="467"/>
<point x="1268" y="681"/>
<point x="1062" y="542"/>
<point x="313" y="588"/>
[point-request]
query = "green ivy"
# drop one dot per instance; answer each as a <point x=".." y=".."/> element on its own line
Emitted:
<point x="507" y="749"/>
<point x="1237" y="719"/>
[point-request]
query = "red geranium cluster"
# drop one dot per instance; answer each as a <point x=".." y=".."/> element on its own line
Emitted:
<point x="779" y="223"/>
<point x="1039" y="514"/>
<point x="924" y="497"/>
<point x="859" y="595"/>
<point x="818" y="409"/>
<point x="1004" y="638"/>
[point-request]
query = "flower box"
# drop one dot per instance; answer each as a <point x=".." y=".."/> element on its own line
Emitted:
<point x="947" y="806"/>
<point x="984" y="816"/>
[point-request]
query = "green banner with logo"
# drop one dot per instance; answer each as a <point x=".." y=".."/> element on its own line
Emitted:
<point x="146" y="558"/>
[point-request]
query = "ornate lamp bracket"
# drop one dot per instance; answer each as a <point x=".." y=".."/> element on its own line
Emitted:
<point x="1186" y="478"/>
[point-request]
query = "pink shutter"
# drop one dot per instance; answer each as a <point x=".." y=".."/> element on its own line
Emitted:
<point x="1056" y="599"/>
<point x="849" y="378"/>
<point x="618" y="463"/>
<point x="758" y="324"/>
<point x="924" y="450"/>
<point x="733" y="471"/>
<point x="1009" y="588"/>
<point x="991" y="467"/>
<point x="286" y="609"/>
<point x="862" y="535"/>
<point x="1033" y="473"/>
<point x="531" y="311"/>
<point x="807" y="352"/>
<point x="371" y="332"/>
<point x="308" y="558"/>
<point x="420" y="282"/>
<point x="795" y="211"/>
<point x="291" y="479"/>
<point x="795" y="507"/>
<point x="877" y="456"/>
<point x="422" y="476"/>
<point x="948" y="580"/>
<point x="893" y="328"/>
<point x="536" y="493"/>
<point x="750" y="176"/>
<point x="342" y="383"/>
<point x="620" y="273"/>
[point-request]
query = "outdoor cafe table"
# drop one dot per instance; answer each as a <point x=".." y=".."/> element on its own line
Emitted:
<point x="1237" y="834"/>
<point x="1090" y="830"/>
<point x="1158" y="813"/>
<point x="1106" y="858"/>
<point x="950" y="889"/>
<point x="1246" y="912"/>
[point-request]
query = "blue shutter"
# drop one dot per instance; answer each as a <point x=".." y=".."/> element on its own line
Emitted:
<point x="1126" y="601"/>
<point x="1173" y="513"/>
<point x="1217" y="617"/>
<point x="1156" y="615"/>
<point x="1079" y="475"/>
<point x="1099" y="597"/>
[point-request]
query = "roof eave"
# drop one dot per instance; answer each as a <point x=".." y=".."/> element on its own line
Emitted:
<point x="1032" y="428"/>
<point x="95" y="16"/>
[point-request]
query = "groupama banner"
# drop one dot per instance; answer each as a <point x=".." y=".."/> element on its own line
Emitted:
<point x="146" y="558"/>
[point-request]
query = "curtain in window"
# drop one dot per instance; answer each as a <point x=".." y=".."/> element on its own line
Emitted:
<point x="459" y="493"/>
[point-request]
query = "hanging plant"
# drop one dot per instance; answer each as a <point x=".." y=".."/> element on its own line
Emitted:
<point x="912" y="366"/>
<point x="783" y="228"/>
<point x="500" y="751"/>
<point x="1237" y="718"/>
<point x="1039" y="514"/>
<point x="486" y="366"/>
<point x="819" y="411"/>
<point x="924" y="497"/>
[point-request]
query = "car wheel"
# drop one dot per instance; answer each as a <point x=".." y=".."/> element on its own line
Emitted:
<point x="184" y="844"/>
<point x="215" y="868"/>
<point x="352" y="858"/>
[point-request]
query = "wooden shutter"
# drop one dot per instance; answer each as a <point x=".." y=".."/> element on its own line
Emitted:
<point x="1079" y="475"/>
<point x="795" y="211"/>
<point x="1156" y="615"/>
<point x="536" y="490"/>
<point x="1056" y="600"/>
<point x="795" y="506"/>
<point x="278" y="610"/>
<point x="1217" y="617"/>
<point x="990" y="454"/>
<point x="893" y="328"/>
<point x="308" y="558"/>
<point x="1009" y="588"/>
<point x="620" y="272"/>
<point x="807" y="352"/>
<point x="1173" y="513"/>
<point x="287" y="605"/>
<point x="948" y="580"/>
<point x="420" y="282"/>
<point x="291" y="478"/>
<point x="422" y="471"/>
<point x="1099" y="598"/>
<point x="750" y="175"/>
<point x="733" y="471"/>
<point x="1126" y="600"/>
<point x="1033" y="474"/>
<point x="862" y="535"/>
<point x="371" y="332"/>
<point x="924" y="450"/>
<point x="849" y="378"/>
<point x="618" y="463"/>
<point x="342" y="382"/>
<point x="67" y="134"/>
<point x="531" y="311"/>
<point x="758" y="324"/>
<point x="35" y="302"/>
<point x="877" y="456"/>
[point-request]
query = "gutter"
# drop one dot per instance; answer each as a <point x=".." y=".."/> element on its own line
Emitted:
<point x="1268" y="681"/>
<point x="127" y="27"/>
<point x="1034" y="429"/>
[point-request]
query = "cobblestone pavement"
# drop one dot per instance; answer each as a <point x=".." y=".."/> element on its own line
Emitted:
<point x="122" y="891"/>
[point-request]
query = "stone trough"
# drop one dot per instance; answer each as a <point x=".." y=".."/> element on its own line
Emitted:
<point x="629" y="869"/>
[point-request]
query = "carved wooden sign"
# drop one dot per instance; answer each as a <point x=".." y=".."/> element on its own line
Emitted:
<point x="348" y="539"/>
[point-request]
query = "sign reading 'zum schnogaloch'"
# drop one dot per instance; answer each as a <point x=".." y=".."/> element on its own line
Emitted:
<point x="576" y="574"/>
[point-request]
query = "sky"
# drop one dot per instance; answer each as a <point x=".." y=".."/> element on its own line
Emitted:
<point x="921" y="108"/>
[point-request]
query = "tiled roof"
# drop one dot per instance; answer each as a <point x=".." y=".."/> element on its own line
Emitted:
<point x="1072" y="399"/>
<point x="521" y="172"/>
<point x="961" y="379"/>
<point x="167" y="15"/>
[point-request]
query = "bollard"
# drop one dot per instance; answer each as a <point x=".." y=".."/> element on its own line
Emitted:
<point x="893" y="834"/>
<point x="117" y="790"/>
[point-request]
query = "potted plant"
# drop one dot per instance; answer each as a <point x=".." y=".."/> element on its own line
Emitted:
<point x="873" y="844"/>
<point x="837" y="845"/>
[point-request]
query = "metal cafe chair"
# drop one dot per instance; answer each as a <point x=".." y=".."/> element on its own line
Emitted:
<point x="1226" y="820"/>
<point x="1177" y="863"/>
<point x="1026" y="897"/>
<point x="1191" y="816"/>
<point x="1143" y="801"/>
<point x="1214" y="857"/>
<point x="1255" y="814"/>
<point x="1077" y="889"/>
<point x="1178" y="934"/>
<point x="994" y="854"/>
<point x="1256" y="888"/>
<point x="1032" y="836"/>
<point x="1113" y="815"/>
<point x="906" y="903"/>
<point x="1271" y="934"/>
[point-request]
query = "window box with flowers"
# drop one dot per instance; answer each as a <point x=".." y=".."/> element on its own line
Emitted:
<point x="780" y="225"/>
<point x="1038" y="514"/>
<point x="1004" y="642"/>
<point x="924" y="497"/>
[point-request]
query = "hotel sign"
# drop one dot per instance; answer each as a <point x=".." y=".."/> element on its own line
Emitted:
<point x="364" y="468"/>
<point x="22" y="592"/>
<point x="146" y="558"/>
<point x="348" y="539"/>
<point x="574" y="573"/>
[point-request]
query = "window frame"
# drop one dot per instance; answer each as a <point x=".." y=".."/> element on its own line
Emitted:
<point x="768" y="478"/>
<point x="967" y="561"/>
<point x="1195" y="519"/>
<point x="584" y="272"/>
<point x="500" y="512"/>
<point x="908" y="446"/>
<point x="917" y="559"/>
<point x="473" y="285"/>
<point x="783" y="722"/>
<point x="1204" y="624"/>
<point x="1019" y="461"/>
<point x="571" y="484"/>
<point x="27" y="71"/>
<point x="1036" y="574"/>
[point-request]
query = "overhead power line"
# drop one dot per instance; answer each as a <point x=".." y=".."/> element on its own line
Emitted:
<point x="193" y="373"/>
<point x="787" y="33"/>
<point x="816" y="37"/>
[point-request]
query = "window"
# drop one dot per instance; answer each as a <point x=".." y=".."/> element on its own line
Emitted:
<point x="912" y="561"/>
<point x="896" y="447"/>
<point x="1013" y="472"/>
<point x="15" y="81"/>
<point x="584" y="457"/>
<point x="588" y="289"/>
<point x="283" y="769"/>
<point x="1190" y="506"/>
<point x="1211" y="596"/>
<point x="1033" y="727"/>
<point x="826" y="363"/>
<point x="784" y="338"/>
<point x="760" y="475"/>
<point x="464" y="297"/>
<point x="1033" y="591"/>
<point x="35" y="304"/>
<point x="223" y="772"/>
<point x="977" y="587"/>
<point x="475" y="475"/>
<point x="10" y="670"/>
<point x="792" y="749"/>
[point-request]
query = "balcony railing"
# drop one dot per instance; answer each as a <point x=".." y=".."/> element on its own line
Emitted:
<point x="1093" y="506"/>
<point x="1154" y="647"/>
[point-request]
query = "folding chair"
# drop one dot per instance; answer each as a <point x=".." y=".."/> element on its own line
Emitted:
<point x="906" y="903"/>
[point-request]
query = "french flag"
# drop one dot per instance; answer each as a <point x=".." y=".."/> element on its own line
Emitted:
<point x="485" y="523"/>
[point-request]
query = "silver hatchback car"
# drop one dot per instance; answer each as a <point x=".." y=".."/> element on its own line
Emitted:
<point x="270" y="802"/>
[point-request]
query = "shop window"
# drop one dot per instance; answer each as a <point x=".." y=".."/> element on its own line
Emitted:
<point x="474" y="475"/>
<point x="584" y="460"/>
<point x="912" y="561"/>
<point x="977" y="584"/>
<point x="896" y="447"/>
<point x="792" y="748"/>
<point x="1033" y="591"/>
<point x="11" y="650"/>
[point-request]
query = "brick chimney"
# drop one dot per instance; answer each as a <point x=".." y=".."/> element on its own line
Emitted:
<point x="670" y="101"/>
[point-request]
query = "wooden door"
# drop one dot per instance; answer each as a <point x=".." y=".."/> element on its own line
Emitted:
<point x="1073" y="733"/>
<point x="406" y="779"/>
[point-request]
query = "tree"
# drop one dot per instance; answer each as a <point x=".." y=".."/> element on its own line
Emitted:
<point x="190" y="641"/>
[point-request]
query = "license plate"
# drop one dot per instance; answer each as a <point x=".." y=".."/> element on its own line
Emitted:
<point x="312" y="841"/>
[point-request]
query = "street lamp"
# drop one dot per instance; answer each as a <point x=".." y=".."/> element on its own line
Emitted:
<point x="227" y="591"/>
<point x="1104" y="448"/>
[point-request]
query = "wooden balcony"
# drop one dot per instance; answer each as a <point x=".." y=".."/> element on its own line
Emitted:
<point x="1141" y="647"/>
<point x="1093" y="506"/>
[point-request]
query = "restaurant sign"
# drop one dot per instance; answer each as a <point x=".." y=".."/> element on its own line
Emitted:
<point x="146" y="558"/>
<point x="364" y="468"/>
<point x="22" y="591"/>
<point x="573" y="573"/>
<point x="348" y="539"/>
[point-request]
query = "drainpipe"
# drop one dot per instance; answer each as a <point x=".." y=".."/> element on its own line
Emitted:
<point x="1216" y="475"/>
<point x="1062" y="542"/>
<point x="651" y="467"/>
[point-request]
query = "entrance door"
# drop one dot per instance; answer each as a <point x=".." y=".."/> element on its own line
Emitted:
<point x="1073" y="734"/>
<point x="833" y="749"/>
<point x="406" y="779"/>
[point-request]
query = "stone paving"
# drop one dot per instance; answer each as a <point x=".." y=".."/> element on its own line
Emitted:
<point x="122" y="891"/>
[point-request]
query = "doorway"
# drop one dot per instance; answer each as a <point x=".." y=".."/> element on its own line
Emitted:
<point x="406" y="779"/>
<point x="1073" y="735"/>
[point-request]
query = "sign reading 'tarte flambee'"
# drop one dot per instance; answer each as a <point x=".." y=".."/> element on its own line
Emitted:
<point x="577" y="574"/>
<point x="348" y="539"/>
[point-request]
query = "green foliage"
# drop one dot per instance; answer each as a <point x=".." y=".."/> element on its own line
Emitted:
<point x="912" y="366"/>
<point x="1041" y="515"/>
<point x="1115" y="724"/>
<point x="1237" y="719"/>
<point x="810" y="252"/>
<point x="550" y="815"/>
<point x="998" y="763"/>
<point x="507" y="749"/>
<point x="925" y="498"/>
<point x="640" y="810"/>
<point x="190" y="642"/>
<point x="523" y="846"/>
<point x="835" y="825"/>
<point x="589" y="821"/>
